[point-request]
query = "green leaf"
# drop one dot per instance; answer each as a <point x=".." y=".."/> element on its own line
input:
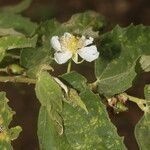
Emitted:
<point x="76" y="80"/>
<point x="8" y="31"/>
<point x="75" y="100"/>
<point x="47" y="133"/>
<point x="15" y="41"/>
<point x="93" y="130"/>
<point x="147" y="91"/>
<point x="48" y="92"/>
<point x="17" y="22"/>
<point x="119" y="51"/>
<point x="145" y="63"/>
<point x="86" y="23"/>
<point x="50" y="124"/>
<point x="23" y="5"/>
<point x="142" y="129"/>
<point x="34" y="59"/>
<point x="6" y="134"/>
<point x="50" y="28"/>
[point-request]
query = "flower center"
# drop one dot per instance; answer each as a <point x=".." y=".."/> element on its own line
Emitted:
<point x="71" y="43"/>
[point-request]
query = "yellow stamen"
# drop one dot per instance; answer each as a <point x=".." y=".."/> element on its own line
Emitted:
<point x="72" y="43"/>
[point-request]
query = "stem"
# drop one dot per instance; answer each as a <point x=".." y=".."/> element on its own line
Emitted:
<point x="47" y="67"/>
<point x="93" y="86"/>
<point x="18" y="79"/>
<point x="142" y="103"/>
<point x="69" y="67"/>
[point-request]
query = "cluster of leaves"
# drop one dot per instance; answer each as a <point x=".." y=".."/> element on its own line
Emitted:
<point x="73" y="117"/>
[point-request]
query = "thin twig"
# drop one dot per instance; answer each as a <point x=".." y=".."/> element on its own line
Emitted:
<point x="17" y="79"/>
<point x="69" y="67"/>
<point x="142" y="103"/>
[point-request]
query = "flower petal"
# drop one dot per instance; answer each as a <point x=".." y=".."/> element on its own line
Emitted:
<point x="89" y="53"/>
<point x="67" y="35"/>
<point x="55" y="43"/>
<point x="83" y="38"/>
<point x="89" y="41"/>
<point x="62" y="57"/>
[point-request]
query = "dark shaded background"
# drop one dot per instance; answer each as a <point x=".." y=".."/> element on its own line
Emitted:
<point x="24" y="102"/>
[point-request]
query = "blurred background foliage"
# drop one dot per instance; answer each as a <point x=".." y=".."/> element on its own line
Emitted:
<point x="122" y="12"/>
<point x="24" y="102"/>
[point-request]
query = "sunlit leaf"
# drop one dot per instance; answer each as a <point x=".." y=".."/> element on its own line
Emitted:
<point x="7" y="134"/>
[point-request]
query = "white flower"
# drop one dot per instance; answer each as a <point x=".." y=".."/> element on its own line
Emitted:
<point x="69" y="46"/>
